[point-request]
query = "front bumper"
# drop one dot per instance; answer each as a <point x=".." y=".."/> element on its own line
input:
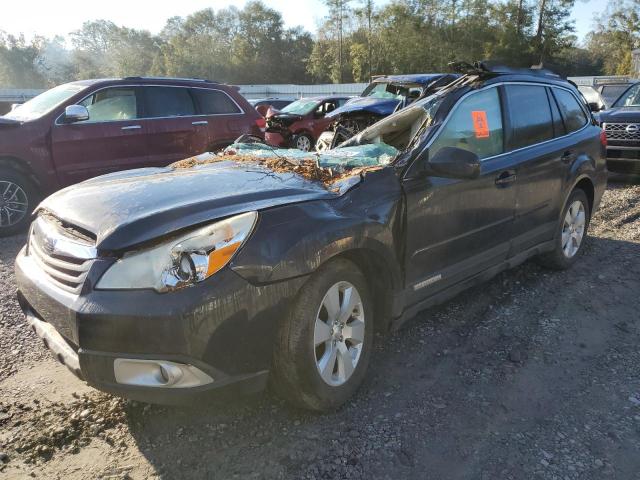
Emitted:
<point x="224" y="326"/>
<point x="624" y="158"/>
<point x="275" y="139"/>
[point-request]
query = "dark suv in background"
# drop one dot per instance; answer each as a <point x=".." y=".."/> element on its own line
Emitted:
<point x="164" y="284"/>
<point x="82" y="129"/>
<point x="622" y="125"/>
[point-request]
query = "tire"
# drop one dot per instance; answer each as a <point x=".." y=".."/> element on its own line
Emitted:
<point x="297" y="359"/>
<point x="564" y="253"/>
<point x="302" y="141"/>
<point x="18" y="198"/>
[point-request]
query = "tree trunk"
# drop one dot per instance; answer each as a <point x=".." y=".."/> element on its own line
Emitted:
<point x="538" y="37"/>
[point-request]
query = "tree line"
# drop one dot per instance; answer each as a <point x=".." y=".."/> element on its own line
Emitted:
<point x="355" y="41"/>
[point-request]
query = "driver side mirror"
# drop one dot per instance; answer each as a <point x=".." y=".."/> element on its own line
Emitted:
<point x="454" y="162"/>
<point x="76" y="113"/>
<point x="595" y="106"/>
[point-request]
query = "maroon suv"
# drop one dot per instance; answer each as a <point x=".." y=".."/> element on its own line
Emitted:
<point x="87" y="128"/>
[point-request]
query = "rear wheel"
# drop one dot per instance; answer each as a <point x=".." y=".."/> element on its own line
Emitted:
<point x="17" y="201"/>
<point x="571" y="233"/>
<point x="325" y="343"/>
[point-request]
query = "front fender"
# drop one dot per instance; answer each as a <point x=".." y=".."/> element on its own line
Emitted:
<point x="294" y="240"/>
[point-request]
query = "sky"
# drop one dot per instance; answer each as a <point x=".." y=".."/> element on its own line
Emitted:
<point x="59" y="17"/>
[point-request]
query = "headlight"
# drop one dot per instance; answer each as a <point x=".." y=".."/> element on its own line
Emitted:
<point x="182" y="261"/>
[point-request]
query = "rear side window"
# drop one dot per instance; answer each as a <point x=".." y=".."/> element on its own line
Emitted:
<point x="558" y="124"/>
<point x="529" y="114"/>
<point x="475" y="125"/>
<point x="111" y="104"/>
<point x="572" y="113"/>
<point x="214" y="102"/>
<point x="168" y="102"/>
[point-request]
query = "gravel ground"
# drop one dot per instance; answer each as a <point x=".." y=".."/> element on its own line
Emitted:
<point x="535" y="374"/>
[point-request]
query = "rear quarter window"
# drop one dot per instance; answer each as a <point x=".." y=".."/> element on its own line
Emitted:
<point x="572" y="113"/>
<point x="215" y="102"/>
<point x="529" y="115"/>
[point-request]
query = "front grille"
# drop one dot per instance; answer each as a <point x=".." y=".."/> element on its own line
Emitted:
<point x="622" y="131"/>
<point x="63" y="254"/>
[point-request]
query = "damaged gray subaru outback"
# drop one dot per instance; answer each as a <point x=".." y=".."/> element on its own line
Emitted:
<point x="266" y="266"/>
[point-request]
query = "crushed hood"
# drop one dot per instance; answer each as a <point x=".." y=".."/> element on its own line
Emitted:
<point x="377" y="106"/>
<point x="9" y="122"/>
<point x="132" y="207"/>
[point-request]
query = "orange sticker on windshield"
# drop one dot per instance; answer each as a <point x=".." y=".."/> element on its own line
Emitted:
<point x="480" y="124"/>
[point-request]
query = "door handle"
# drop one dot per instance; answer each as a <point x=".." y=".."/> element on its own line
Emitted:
<point x="132" y="127"/>
<point x="505" y="178"/>
<point x="200" y="122"/>
<point x="568" y="156"/>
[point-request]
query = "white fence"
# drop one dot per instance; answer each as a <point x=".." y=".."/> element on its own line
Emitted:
<point x="299" y="91"/>
<point x="14" y="95"/>
<point x="593" y="81"/>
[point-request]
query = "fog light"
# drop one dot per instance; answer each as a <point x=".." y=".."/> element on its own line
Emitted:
<point x="158" y="373"/>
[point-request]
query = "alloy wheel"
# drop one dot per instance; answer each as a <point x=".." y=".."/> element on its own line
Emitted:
<point x="339" y="333"/>
<point x="303" y="143"/>
<point x="573" y="229"/>
<point x="13" y="203"/>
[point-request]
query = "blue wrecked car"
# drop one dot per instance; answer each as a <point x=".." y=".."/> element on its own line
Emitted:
<point x="383" y="96"/>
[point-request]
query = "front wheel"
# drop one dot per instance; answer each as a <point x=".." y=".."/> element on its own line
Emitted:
<point x="572" y="232"/>
<point x="303" y="141"/>
<point x="325" y="342"/>
<point x="17" y="201"/>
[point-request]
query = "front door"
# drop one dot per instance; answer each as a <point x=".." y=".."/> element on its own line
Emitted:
<point x="457" y="228"/>
<point x="111" y="139"/>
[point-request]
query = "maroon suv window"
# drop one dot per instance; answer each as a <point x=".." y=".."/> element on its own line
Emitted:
<point x="214" y="102"/>
<point x="111" y="104"/>
<point x="168" y="102"/>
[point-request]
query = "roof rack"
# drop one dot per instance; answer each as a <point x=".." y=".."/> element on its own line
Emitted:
<point x="493" y="68"/>
<point x="203" y="80"/>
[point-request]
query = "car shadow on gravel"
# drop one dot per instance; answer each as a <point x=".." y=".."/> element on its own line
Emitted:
<point x="10" y="248"/>
<point x="463" y="390"/>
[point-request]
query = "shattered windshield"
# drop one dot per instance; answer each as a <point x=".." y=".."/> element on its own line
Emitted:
<point x="359" y="156"/>
<point x="45" y="102"/>
<point x="300" y="107"/>
<point x="390" y="91"/>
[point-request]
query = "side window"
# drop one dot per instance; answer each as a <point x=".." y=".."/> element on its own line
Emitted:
<point x="558" y="124"/>
<point x="572" y="113"/>
<point x="610" y="93"/>
<point x="215" y="102"/>
<point x="475" y="125"/>
<point x="111" y="104"/>
<point x="630" y="98"/>
<point x="529" y="115"/>
<point x="167" y="102"/>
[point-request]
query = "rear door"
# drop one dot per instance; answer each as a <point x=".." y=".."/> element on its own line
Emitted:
<point x="220" y="116"/>
<point x="108" y="141"/>
<point x="544" y="150"/>
<point x="457" y="228"/>
<point x="538" y="160"/>
<point x="173" y="128"/>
